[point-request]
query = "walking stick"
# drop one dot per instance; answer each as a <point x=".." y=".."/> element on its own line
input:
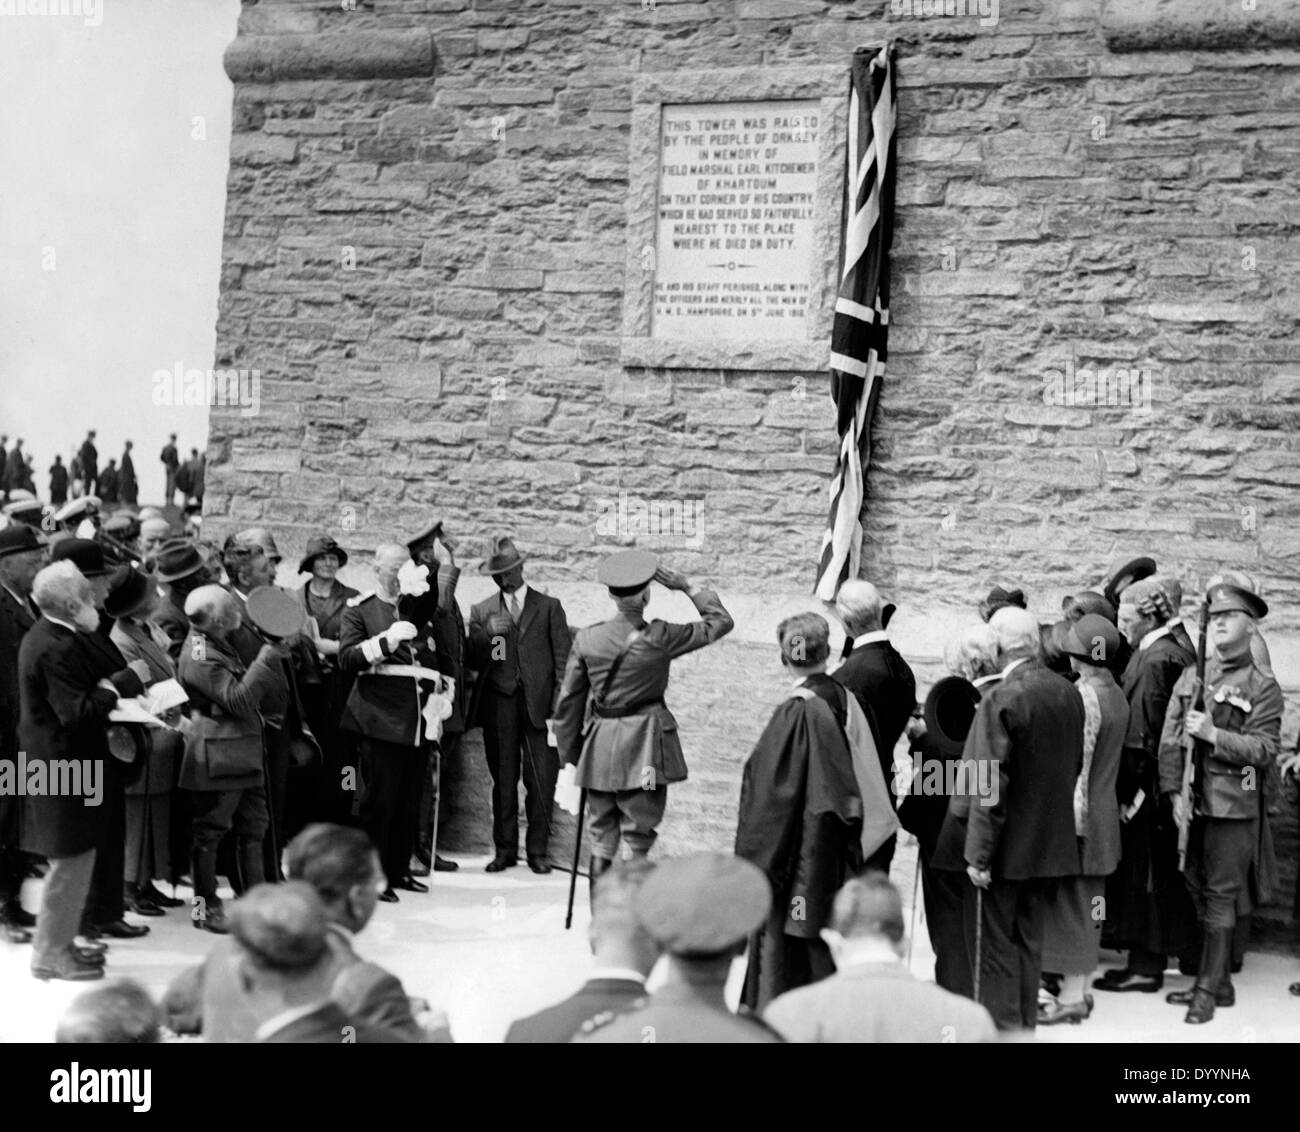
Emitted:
<point x="437" y="802"/>
<point x="916" y="883"/>
<point x="979" y="937"/>
<point x="577" y="854"/>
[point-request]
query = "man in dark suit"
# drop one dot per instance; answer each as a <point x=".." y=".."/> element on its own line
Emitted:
<point x="284" y="969"/>
<point x="21" y="553"/>
<point x="624" y="954"/>
<point x="171" y="460"/>
<point x="128" y="486"/>
<point x="58" y="482"/>
<point x="1024" y="752"/>
<point x="89" y="459"/>
<point x="68" y="688"/>
<point x="437" y="615"/>
<point x="518" y="641"/>
<point x="107" y="904"/>
<point x="882" y="682"/>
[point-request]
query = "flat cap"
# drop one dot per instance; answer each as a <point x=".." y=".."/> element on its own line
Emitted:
<point x="628" y="569"/>
<point x="703" y="904"/>
<point x="1224" y="598"/>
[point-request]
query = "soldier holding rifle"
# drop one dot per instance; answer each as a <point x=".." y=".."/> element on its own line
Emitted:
<point x="1232" y="724"/>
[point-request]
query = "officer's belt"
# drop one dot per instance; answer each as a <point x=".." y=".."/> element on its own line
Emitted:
<point x="416" y="670"/>
<point x="624" y="712"/>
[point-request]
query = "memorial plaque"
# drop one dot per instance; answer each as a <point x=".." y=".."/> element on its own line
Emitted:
<point x="735" y="232"/>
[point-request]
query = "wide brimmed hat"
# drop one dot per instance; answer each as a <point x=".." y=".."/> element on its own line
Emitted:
<point x="1123" y="573"/>
<point x="86" y="554"/>
<point x="949" y="711"/>
<point x="502" y="557"/>
<point x="275" y="612"/>
<point x="1075" y="606"/>
<point x="321" y="544"/>
<point x="130" y="591"/>
<point x="178" y="558"/>
<point x="1092" y="638"/>
<point x="18" y="539"/>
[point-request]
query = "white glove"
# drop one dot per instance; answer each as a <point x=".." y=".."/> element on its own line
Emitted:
<point x="412" y="579"/>
<point x="400" y="631"/>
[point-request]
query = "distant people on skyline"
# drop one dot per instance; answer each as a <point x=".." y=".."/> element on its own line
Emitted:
<point x="89" y="464"/>
<point x="128" y="487"/>
<point x="58" y="482"/>
<point x="171" y="461"/>
<point x="109" y="483"/>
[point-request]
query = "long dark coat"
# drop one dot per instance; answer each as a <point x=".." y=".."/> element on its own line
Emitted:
<point x="1147" y="904"/>
<point x="64" y="714"/>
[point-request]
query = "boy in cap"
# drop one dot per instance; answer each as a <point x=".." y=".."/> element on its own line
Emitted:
<point x="699" y="909"/>
<point x="625" y="745"/>
<point x="1238" y="735"/>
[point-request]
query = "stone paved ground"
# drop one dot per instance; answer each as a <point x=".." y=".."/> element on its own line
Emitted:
<point x="490" y="948"/>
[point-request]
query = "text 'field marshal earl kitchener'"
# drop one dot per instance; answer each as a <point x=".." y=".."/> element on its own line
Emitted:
<point x="624" y="742"/>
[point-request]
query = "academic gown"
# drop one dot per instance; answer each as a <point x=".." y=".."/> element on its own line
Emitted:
<point x="801" y="823"/>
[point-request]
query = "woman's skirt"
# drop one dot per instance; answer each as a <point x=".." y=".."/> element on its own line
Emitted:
<point x="1072" y="923"/>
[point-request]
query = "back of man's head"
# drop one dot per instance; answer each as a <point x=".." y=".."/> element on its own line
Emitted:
<point x="280" y="928"/>
<point x="868" y="907"/>
<point x="118" y="1012"/>
<point x="804" y="640"/>
<point x="858" y="604"/>
<point x="1018" y="632"/>
<point x="617" y="937"/>
<point x="334" y="860"/>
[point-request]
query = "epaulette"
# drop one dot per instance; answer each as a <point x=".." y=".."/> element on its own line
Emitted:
<point x="360" y="598"/>
<point x="605" y="1017"/>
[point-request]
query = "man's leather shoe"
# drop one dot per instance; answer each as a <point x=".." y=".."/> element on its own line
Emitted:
<point x="88" y="943"/>
<point x="69" y="967"/>
<point x="442" y="865"/>
<point x="14" y="913"/>
<point x="1126" y="980"/>
<point x="499" y="862"/>
<point x="388" y="896"/>
<point x="1201" y="1009"/>
<point x="410" y="884"/>
<point x="213" y="920"/>
<point x="159" y="898"/>
<point x="1224" y="996"/>
<point x="120" y="929"/>
<point x="85" y="955"/>
<point x="418" y="869"/>
<point x="12" y="933"/>
<point x="539" y="865"/>
<point x="141" y="905"/>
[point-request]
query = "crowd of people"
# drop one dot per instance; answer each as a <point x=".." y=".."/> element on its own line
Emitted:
<point x="1071" y="786"/>
<point x="111" y="485"/>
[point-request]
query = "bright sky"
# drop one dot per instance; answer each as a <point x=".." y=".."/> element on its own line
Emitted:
<point x="111" y="213"/>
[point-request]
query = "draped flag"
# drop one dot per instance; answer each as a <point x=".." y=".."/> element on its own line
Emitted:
<point x="861" y="326"/>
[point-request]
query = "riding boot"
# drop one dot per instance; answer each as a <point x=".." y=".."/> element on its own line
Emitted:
<point x="251" y="864"/>
<point x="1212" y="979"/>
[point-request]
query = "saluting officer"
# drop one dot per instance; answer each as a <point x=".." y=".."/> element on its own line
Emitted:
<point x="626" y="747"/>
<point x="1240" y="728"/>
<point x="700" y="909"/>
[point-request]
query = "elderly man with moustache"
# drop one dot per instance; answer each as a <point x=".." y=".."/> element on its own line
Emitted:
<point x="881" y="681"/>
<point x="68" y="688"/>
<point x="395" y="667"/>
<point x="22" y="550"/>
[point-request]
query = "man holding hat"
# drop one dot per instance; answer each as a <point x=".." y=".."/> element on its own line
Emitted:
<point x="625" y="743"/>
<point x="1147" y="907"/>
<point x="180" y="568"/>
<point x="438" y="617"/>
<point x="518" y="641"/>
<point x="22" y="550"/>
<point x="699" y="909"/>
<point x="1229" y="849"/>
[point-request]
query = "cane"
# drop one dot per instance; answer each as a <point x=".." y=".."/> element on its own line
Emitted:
<point x="437" y="803"/>
<point x="577" y="855"/>
<point x="916" y="883"/>
<point x="979" y="937"/>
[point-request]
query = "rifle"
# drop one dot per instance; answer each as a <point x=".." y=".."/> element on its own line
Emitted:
<point x="1193" y="748"/>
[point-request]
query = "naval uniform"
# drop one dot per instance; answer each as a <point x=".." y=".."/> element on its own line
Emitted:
<point x="629" y="753"/>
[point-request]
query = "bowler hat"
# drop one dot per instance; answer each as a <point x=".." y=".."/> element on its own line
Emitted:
<point x="949" y="711"/>
<point x="18" y="539"/>
<point x="503" y="556"/>
<point x="1092" y="638"/>
<point x="130" y="591"/>
<point x="628" y="570"/>
<point x="1225" y="597"/>
<point x="702" y="904"/>
<point x="321" y="544"/>
<point x="178" y="558"/>
<point x="434" y="529"/>
<point x="86" y="554"/>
